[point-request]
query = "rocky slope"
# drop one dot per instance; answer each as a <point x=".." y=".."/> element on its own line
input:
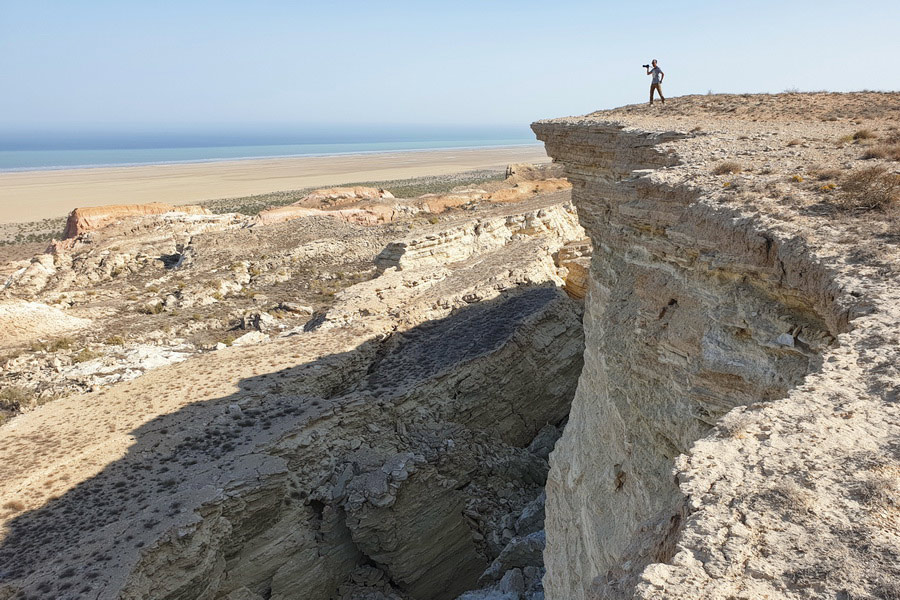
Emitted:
<point x="156" y="285"/>
<point x="389" y="442"/>
<point x="735" y="431"/>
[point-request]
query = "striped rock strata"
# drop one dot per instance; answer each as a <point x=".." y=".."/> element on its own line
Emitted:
<point x="735" y="429"/>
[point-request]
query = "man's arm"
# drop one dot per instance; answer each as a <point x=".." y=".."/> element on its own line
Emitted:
<point x="648" y="70"/>
<point x="661" y="76"/>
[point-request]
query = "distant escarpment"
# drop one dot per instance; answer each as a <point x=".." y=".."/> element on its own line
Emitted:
<point x="736" y="427"/>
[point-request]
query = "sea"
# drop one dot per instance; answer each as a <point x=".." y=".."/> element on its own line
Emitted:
<point x="46" y="150"/>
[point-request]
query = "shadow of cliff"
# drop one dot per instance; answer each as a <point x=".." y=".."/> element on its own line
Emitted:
<point x="87" y="541"/>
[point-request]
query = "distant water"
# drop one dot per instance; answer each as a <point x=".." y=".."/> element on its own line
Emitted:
<point x="45" y="151"/>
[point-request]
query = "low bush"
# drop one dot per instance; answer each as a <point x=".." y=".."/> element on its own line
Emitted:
<point x="14" y="397"/>
<point x="883" y="152"/>
<point x="86" y="355"/>
<point x="825" y="174"/>
<point x="62" y="343"/>
<point x="869" y="189"/>
<point x="727" y="167"/>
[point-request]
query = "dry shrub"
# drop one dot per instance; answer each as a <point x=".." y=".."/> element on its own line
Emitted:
<point x="863" y="134"/>
<point x="794" y="142"/>
<point x="726" y="167"/>
<point x="891" y="136"/>
<point x="822" y="174"/>
<point x="14" y="397"/>
<point x="868" y="189"/>
<point x="86" y="355"/>
<point x="883" y="152"/>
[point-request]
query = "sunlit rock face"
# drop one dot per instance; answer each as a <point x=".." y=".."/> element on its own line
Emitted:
<point x="702" y="301"/>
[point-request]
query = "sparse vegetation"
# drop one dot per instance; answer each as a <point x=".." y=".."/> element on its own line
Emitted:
<point x="152" y="308"/>
<point x="862" y="135"/>
<point x="878" y="491"/>
<point x="63" y="343"/>
<point x="13" y="398"/>
<point x="14" y="505"/>
<point x="32" y="232"/>
<point x="401" y="188"/>
<point x="873" y="188"/>
<point x="727" y="167"/>
<point x="883" y="152"/>
<point x="85" y="355"/>
<point x="825" y="174"/>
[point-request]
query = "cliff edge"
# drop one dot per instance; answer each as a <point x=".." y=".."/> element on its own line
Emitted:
<point x="734" y="433"/>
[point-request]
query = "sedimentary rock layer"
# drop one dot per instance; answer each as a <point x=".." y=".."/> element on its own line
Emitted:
<point x="704" y="303"/>
<point x="91" y="218"/>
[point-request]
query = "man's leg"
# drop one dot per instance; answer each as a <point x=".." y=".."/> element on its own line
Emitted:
<point x="659" y="89"/>
<point x="652" y="85"/>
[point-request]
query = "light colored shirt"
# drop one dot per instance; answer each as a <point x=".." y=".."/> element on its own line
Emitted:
<point x="656" y="71"/>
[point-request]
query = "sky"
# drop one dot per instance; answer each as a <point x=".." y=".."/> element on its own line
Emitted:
<point x="125" y="64"/>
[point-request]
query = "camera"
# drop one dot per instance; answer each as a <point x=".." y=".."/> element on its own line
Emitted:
<point x="646" y="66"/>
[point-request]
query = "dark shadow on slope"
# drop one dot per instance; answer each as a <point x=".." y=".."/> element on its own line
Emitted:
<point x="212" y="453"/>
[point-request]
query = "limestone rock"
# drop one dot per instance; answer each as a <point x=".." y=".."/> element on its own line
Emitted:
<point x="294" y="307"/>
<point x="525" y="189"/>
<point x="92" y="218"/>
<point x="528" y="172"/>
<point x="367" y="215"/>
<point x="521" y="552"/>
<point x="697" y="295"/>
<point x="532" y="517"/>
<point x="260" y="321"/>
<point x="452" y="243"/>
<point x="339" y="196"/>
<point x="26" y="322"/>
<point x="362" y="205"/>
<point x="253" y="337"/>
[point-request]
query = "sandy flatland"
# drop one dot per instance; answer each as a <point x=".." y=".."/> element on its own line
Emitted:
<point x="33" y="195"/>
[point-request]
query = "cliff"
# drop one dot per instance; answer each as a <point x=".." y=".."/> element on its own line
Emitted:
<point x="96" y="217"/>
<point x="734" y="433"/>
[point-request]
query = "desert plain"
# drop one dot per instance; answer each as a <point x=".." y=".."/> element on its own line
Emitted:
<point x="41" y="194"/>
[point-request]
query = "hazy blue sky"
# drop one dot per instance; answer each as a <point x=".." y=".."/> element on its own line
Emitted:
<point x="122" y="63"/>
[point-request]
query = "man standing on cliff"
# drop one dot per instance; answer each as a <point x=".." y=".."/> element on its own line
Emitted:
<point x="656" y="84"/>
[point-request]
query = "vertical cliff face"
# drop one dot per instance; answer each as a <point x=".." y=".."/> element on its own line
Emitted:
<point x="695" y="307"/>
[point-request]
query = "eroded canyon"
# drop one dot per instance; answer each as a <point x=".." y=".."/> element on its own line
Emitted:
<point x="378" y="421"/>
<point x="387" y="438"/>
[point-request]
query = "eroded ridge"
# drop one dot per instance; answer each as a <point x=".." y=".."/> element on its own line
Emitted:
<point x="735" y="429"/>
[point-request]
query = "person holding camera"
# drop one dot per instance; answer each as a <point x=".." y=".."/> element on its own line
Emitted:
<point x="656" y="83"/>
